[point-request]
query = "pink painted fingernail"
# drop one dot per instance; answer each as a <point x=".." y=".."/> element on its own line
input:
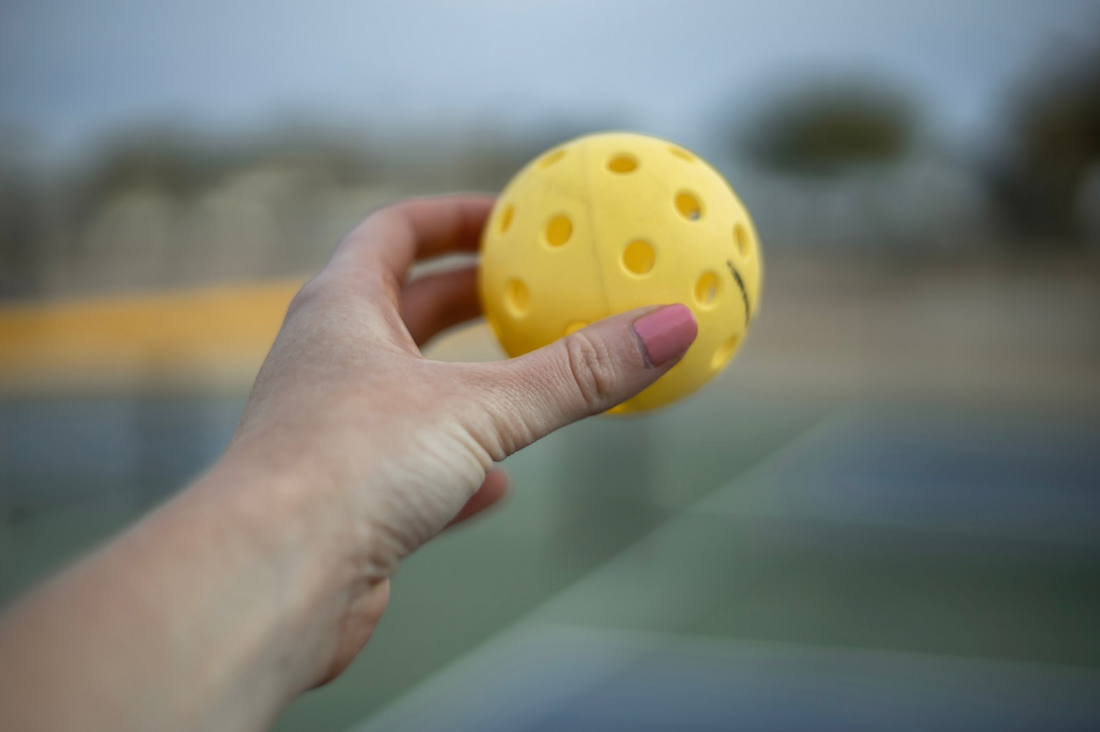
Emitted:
<point x="666" y="333"/>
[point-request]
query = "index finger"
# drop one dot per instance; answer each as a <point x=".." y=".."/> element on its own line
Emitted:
<point x="394" y="237"/>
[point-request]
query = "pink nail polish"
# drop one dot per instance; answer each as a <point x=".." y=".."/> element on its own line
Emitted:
<point x="666" y="333"/>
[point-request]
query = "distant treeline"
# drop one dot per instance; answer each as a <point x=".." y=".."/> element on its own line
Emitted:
<point x="159" y="208"/>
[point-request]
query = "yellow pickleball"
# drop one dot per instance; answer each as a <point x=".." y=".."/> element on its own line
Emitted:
<point x="615" y="221"/>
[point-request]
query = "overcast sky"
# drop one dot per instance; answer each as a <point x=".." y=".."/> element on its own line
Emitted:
<point x="72" y="70"/>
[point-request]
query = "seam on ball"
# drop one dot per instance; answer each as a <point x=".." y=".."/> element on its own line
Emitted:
<point x="741" y="286"/>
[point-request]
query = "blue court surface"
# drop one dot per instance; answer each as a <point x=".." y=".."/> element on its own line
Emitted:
<point x="876" y="573"/>
<point x="567" y="678"/>
<point x="730" y="564"/>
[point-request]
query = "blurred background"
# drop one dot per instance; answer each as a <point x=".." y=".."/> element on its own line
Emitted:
<point x="885" y="513"/>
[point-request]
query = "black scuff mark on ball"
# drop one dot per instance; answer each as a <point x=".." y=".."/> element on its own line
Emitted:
<point x="741" y="286"/>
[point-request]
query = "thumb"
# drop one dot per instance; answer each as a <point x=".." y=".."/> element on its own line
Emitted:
<point x="589" y="371"/>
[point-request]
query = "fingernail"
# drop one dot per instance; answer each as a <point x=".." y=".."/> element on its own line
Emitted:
<point x="666" y="333"/>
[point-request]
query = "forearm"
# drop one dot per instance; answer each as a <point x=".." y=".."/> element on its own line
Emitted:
<point x="269" y="575"/>
<point x="212" y="612"/>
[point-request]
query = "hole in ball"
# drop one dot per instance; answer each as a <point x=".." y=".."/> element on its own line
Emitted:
<point x="517" y="298"/>
<point x="575" y="326"/>
<point x="558" y="230"/>
<point x="682" y="154"/>
<point x="551" y="158"/>
<point x="622" y="163"/>
<point x="689" y="205"/>
<point x="506" y="218"/>
<point x="725" y="351"/>
<point x="639" y="257"/>
<point x="706" y="289"/>
<point x="741" y="239"/>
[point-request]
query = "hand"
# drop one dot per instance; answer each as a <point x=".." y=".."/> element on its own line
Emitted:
<point x="391" y="447"/>
<point x="268" y="574"/>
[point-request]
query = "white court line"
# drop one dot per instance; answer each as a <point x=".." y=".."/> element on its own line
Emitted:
<point x="442" y="686"/>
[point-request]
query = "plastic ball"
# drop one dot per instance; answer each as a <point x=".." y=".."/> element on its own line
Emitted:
<point x="611" y="222"/>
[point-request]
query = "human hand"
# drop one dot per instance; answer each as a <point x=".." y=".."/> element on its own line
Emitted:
<point x="389" y="447"/>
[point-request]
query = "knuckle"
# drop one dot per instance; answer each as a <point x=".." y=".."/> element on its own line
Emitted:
<point x="500" y="415"/>
<point x="380" y="283"/>
<point x="592" y="367"/>
<point x="391" y="215"/>
<point x="387" y="210"/>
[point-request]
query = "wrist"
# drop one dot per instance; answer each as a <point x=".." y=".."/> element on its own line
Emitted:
<point x="290" y="530"/>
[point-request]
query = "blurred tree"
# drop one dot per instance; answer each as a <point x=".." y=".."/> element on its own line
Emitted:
<point x="19" y="230"/>
<point x="491" y="155"/>
<point x="165" y="161"/>
<point x="830" y="129"/>
<point x="20" y="213"/>
<point x="844" y="147"/>
<point x="182" y="165"/>
<point x="488" y="162"/>
<point x="1054" y="144"/>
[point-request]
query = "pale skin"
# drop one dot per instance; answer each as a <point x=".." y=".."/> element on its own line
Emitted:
<point x="267" y="576"/>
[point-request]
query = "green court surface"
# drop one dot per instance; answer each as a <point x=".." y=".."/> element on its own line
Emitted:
<point x="880" y="571"/>
<point x="873" y="551"/>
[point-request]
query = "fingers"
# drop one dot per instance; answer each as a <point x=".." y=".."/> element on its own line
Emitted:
<point x="393" y="237"/>
<point x="588" y="372"/>
<point x="436" y="302"/>
<point x="492" y="491"/>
